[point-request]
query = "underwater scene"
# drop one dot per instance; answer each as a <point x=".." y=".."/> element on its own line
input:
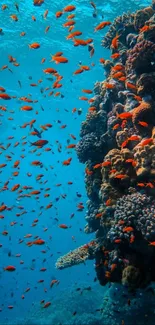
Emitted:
<point x="77" y="162"/>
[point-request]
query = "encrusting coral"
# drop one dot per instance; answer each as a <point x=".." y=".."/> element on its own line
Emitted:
<point x="118" y="147"/>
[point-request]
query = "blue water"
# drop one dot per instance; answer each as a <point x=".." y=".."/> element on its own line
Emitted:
<point x="57" y="241"/>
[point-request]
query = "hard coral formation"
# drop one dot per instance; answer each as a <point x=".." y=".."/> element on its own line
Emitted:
<point x="146" y="85"/>
<point x="141" y="16"/>
<point x="140" y="58"/>
<point x="118" y="146"/>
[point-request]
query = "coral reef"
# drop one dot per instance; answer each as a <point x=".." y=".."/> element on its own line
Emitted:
<point x="118" y="147"/>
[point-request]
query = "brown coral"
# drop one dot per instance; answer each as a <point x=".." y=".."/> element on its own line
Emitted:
<point x="140" y="57"/>
<point x="142" y="113"/>
<point x="146" y="85"/>
<point x="141" y="16"/>
<point x="131" y="277"/>
<point x="145" y="160"/>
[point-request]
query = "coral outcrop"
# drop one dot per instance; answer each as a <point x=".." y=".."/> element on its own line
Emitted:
<point x="118" y="147"/>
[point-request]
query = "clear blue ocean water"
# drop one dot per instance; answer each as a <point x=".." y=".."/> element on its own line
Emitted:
<point x="56" y="110"/>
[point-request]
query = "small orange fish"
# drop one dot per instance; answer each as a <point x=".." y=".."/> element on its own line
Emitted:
<point x="120" y="176"/>
<point x="134" y="138"/>
<point x="67" y="162"/>
<point x="58" y="14"/>
<point x="69" y="8"/>
<point x="63" y="226"/>
<point x="102" y="60"/>
<point x="145" y="28"/>
<point x="108" y="202"/>
<point x="116" y="126"/>
<point x="97" y="166"/>
<point x="114" y="43"/>
<point x="115" y="56"/>
<point x="98" y="215"/>
<point x="131" y="86"/>
<point x="34" y="46"/>
<point x="88" y="172"/>
<point x="124" y="115"/>
<point x="69" y="23"/>
<point x="128" y="229"/>
<point x="106" y="163"/>
<point x="142" y="123"/>
<point x="152" y="243"/>
<point x="102" y="25"/>
<point x="59" y="59"/>
<point x="145" y="142"/>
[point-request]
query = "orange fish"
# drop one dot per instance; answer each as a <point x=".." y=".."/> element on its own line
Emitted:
<point x="59" y="59"/>
<point x="69" y="23"/>
<point x="134" y="138"/>
<point x="58" y="14"/>
<point x="26" y="108"/>
<point x="114" y="43"/>
<point x="69" y="8"/>
<point x="34" y="46"/>
<point x="72" y="35"/>
<point x="142" y="123"/>
<point x="5" y="96"/>
<point x="63" y="226"/>
<point x="145" y="28"/>
<point x="116" y="126"/>
<point x="128" y="229"/>
<point x="97" y="166"/>
<point x="115" y="56"/>
<point x="14" y="17"/>
<point x="102" y="25"/>
<point x="78" y="71"/>
<point x="109" y="85"/>
<point x="98" y="215"/>
<point x="71" y="146"/>
<point x="102" y="60"/>
<point x="152" y="243"/>
<point x="131" y="86"/>
<point x="67" y="162"/>
<point x="124" y="115"/>
<point x="106" y="163"/>
<point x="88" y="172"/>
<point x="145" y="142"/>
<point x="10" y="268"/>
<point x="120" y="176"/>
<point x="87" y="91"/>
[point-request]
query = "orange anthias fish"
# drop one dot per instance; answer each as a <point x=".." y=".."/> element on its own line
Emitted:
<point x="124" y="115"/>
<point x="145" y="142"/>
<point x="72" y="35"/>
<point x="144" y="124"/>
<point x="59" y="59"/>
<point x="69" y="8"/>
<point x="102" y="25"/>
<point x="34" y="46"/>
<point x="114" y="43"/>
<point x="63" y="226"/>
<point x="128" y="229"/>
